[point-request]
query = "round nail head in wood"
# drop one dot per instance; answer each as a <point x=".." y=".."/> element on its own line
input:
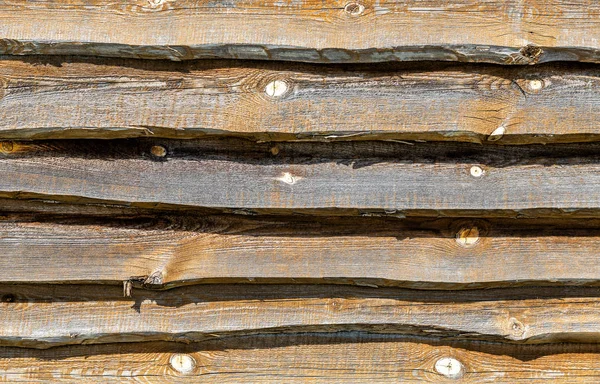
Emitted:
<point x="476" y="171"/>
<point x="158" y="151"/>
<point x="276" y="88"/>
<point x="467" y="237"/>
<point x="182" y="363"/>
<point x="536" y="84"/>
<point x="354" y="9"/>
<point x="449" y="367"/>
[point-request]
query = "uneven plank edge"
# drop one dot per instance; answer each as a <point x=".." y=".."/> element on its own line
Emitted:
<point x="508" y="32"/>
<point x="172" y="250"/>
<point x="47" y="98"/>
<point x="319" y="358"/>
<point x="91" y="314"/>
<point x="468" y="181"/>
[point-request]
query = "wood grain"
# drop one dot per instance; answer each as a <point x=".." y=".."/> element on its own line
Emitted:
<point x="42" y="316"/>
<point x="175" y="249"/>
<point x="81" y="98"/>
<point x="364" y="176"/>
<point x="316" y="358"/>
<point x="505" y="32"/>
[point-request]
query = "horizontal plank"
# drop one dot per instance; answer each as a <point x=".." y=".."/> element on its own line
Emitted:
<point x="505" y="32"/>
<point x="42" y="316"/>
<point x="362" y="176"/>
<point x="319" y="358"/>
<point x="172" y="249"/>
<point x="67" y="98"/>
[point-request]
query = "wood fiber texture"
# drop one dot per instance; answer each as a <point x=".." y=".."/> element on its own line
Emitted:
<point x="172" y="249"/>
<point x="66" y="97"/>
<point x="315" y="358"/>
<point x="504" y="32"/>
<point x="392" y="177"/>
<point x="44" y="316"/>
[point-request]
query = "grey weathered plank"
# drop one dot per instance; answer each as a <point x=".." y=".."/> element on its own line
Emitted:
<point x="319" y="358"/>
<point x="505" y="32"/>
<point x="363" y="176"/>
<point x="43" y="316"/>
<point x="172" y="249"/>
<point x="66" y="98"/>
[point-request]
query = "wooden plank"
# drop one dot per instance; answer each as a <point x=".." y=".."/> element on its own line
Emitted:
<point x="64" y="98"/>
<point x="315" y="358"/>
<point x="176" y="249"/>
<point x="42" y="316"/>
<point x="364" y="176"/>
<point x="505" y="32"/>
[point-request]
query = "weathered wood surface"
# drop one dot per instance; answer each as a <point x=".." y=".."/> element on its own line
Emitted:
<point x="316" y="358"/>
<point x="174" y="249"/>
<point x="42" y="316"/>
<point x="505" y="32"/>
<point x="62" y="98"/>
<point x="304" y="176"/>
<point x="109" y="99"/>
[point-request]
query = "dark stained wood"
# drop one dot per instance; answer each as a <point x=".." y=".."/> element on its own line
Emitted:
<point x="42" y="316"/>
<point x="315" y="358"/>
<point x="178" y="249"/>
<point x="66" y="98"/>
<point x="505" y="32"/>
<point x="392" y="177"/>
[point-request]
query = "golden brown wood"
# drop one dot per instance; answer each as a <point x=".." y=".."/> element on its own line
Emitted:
<point x="314" y="358"/>
<point x="43" y="316"/>
<point x="176" y="249"/>
<point x="505" y="32"/>
<point x="63" y="98"/>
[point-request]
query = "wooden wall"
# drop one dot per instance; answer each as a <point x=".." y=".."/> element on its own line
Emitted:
<point x="299" y="191"/>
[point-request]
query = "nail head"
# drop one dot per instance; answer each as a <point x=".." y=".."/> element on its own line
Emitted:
<point x="449" y="367"/>
<point x="276" y="88"/>
<point x="182" y="363"/>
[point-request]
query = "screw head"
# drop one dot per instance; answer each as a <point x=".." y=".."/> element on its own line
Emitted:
<point x="449" y="367"/>
<point x="182" y="363"/>
<point x="276" y="88"/>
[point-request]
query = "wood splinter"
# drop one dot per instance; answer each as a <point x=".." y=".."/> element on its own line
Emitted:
<point x="153" y="281"/>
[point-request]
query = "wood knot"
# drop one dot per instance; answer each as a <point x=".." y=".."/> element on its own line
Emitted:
<point x="7" y="146"/>
<point x="182" y="363"/>
<point x="517" y="329"/>
<point x="276" y="88"/>
<point x="354" y="9"/>
<point x="532" y="53"/>
<point x="9" y="298"/>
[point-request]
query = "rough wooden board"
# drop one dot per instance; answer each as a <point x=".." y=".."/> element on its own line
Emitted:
<point x="63" y="98"/>
<point x="176" y="249"/>
<point x="362" y="176"/>
<point x="314" y="358"/>
<point x="43" y="316"/>
<point x="502" y="32"/>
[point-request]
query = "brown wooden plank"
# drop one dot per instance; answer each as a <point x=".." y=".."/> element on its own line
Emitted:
<point x="314" y="358"/>
<point x="177" y="249"/>
<point x="503" y="32"/>
<point x="44" y="316"/>
<point x="362" y="176"/>
<point x="63" y="98"/>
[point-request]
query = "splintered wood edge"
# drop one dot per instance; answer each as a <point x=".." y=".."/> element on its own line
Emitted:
<point x="341" y="357"/>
